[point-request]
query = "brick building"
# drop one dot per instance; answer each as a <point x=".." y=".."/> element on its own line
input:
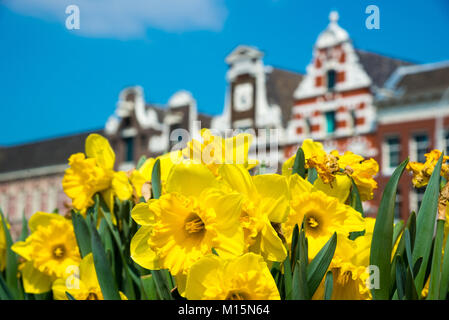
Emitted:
<point x="349" y="99"/>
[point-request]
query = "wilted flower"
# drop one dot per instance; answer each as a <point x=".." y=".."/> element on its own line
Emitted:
<point x="422" y="171"/>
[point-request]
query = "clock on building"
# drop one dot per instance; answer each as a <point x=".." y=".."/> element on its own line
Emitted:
<point x="243" y="97"/>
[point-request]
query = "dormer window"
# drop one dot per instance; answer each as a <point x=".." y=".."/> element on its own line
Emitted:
<point x="331" y="78"/>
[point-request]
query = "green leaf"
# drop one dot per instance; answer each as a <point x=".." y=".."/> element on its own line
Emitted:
<point x="81" y="233"/>
<point x="328" y="285"/>
<point x="162" y="287"/>
<point x="129" y="289"/>
<point x="294" y="245"/>
<point x="312" y="175"/>
<point x="156" y="180"/>
<point x="435" y="272"/>
<point x="408" y="251"/>
<point x="381" y="244"/>
<point x="444" y="286"/>
<point x="317" y="268"/>
<point x="288" y="280"/>
<point x="410" y="290"/>
<point x="149" y="287"/>
<point x="141" y="161"/>
<point x="398" y="228"/>
<point x="24" y="232"/>
<point x="299" y="164"/>
<point x="69" y="296"/>
<point x="11" y="261"/>
<point x="102" y="268"/>
<point x="401" y="275"/>
<point x="354" y="198"/>
<point x="5" y="294"/>
<point x="425" y="224"/>
<point x="299" y="286"/>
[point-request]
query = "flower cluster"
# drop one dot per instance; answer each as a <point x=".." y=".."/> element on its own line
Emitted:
<point x="200" y="224"/>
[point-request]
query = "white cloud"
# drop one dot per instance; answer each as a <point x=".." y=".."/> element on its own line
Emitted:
<point x="129" y="18"/>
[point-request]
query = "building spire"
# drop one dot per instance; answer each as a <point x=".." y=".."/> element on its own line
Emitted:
<point x="333" y="16"/>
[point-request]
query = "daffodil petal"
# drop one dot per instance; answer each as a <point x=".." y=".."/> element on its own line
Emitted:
<point x="190" y="179"/>
<point x="271" y="245"/>
<point x="238" y="178"/>
<point x="99" y="148"/>
<point x="273" y="189"/>
<point x="339" y="188"/>
<point x="140" y="250"/>
<point x="35" y="281"/>
<point x="42" y="219"/>
<point x="87" y="271"/>
<point x="204" y="268"/>
<point x="142" y="214"/>
<point x="299" y="185"/>
<point x="122" y="187"/>
<point x="23" y="249"/>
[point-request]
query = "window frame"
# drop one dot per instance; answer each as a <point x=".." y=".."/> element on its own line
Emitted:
<point x="387" y="168"/>
<point x="414" y="146"/>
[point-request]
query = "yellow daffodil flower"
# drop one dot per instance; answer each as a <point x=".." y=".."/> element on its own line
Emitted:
<point x="50" y="250"/>
<point x="243" y="278"/>
<point x="349" y="271"/>
<point x="143" y="174"/>
<point x="322" y="214"/>
<point x="265" y="203"/>
<point x="215" y="151"/>
<point x="339" y="189"/>
<point x="92" y="173"/>
<point x="422" y="171"/>
<point x="82" y="284"/>
<point x="185" y="223"/>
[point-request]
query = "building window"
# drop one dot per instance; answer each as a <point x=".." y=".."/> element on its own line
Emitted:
<point x="419" y="147"/>
<point x="330" y="121"/>
<point x="129" y="149"/>
<point x="397" y="206"/>
<point x="392" y="152"/>
<point x="331" y="78"/>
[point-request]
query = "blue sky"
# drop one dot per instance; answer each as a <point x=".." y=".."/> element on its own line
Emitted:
<point x="56" y="81"/>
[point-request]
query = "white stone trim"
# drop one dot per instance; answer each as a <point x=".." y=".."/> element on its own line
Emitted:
<point x="412" y="112"/>
<point x="33" y="172"/>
